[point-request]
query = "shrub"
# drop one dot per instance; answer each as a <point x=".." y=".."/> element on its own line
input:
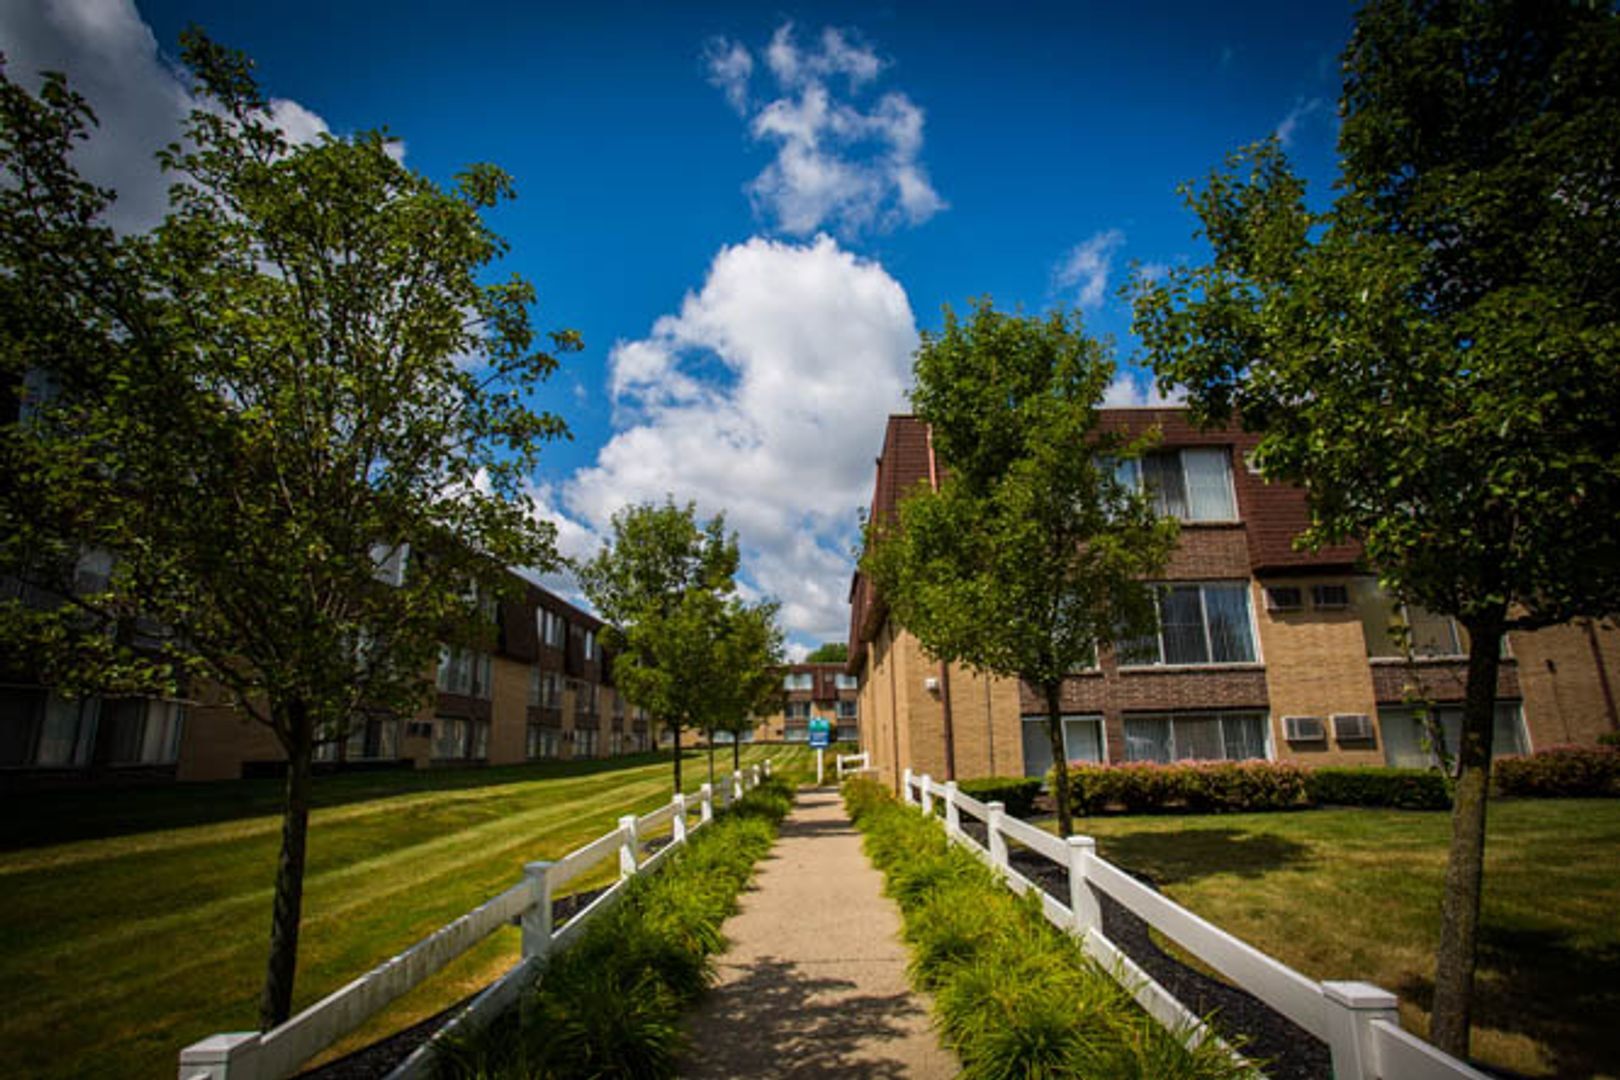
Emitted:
<point x="1015" y="793"/>
<point x="1375" y="785"/>
<point x="1013" y="996"/>
<point x="1198" y="786"/>
<point x="612" y="1005"/>
<point x="1609" y="738"/>
<point x="1561" y="772"/>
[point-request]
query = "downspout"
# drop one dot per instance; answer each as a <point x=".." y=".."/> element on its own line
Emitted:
<point x="944" y="669"/>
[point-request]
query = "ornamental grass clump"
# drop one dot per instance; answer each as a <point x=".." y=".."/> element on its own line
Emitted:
<point x="611" y="1006"/>
<point x="1013" y="996"/>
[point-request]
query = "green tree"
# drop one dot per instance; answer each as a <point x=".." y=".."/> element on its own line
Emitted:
<point x="830" y="652"/>
<point x="1030" y="555"/>
<point x="296" y="377"/>
<point x="747" y="677"/>
<point x="1434" y="357"/>
<point x="662" y="584"/>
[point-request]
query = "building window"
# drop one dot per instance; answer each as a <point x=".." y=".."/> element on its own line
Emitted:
<point x="553" y="628"/>
<point x="846" y="710"/>
<point x="543" y="742"/>
<point x="42" y="728"/>
<point x="585" y="742"/>
<point x="1382" y="620"/>
<point x="372" y="740"/>
<point x="797" y="725"/>
<point x="1198" y="624"/>
<point x="465" y="672"/>
<point x="459" y="739"/>
<point x="1082" y="741"/>
<point x="1192" y="484"/>
<point x="142" y="731"/>
<point x="1284" y="598"/>
<point x="590" y="644"/>
<point x="1195" y="737"/>
<point x="1330" y="597"/>
<point x="846" y="682"/>
<point x="1407" y="743"/>
<point x="797" y="680"/>
<point x="584" y="697"/>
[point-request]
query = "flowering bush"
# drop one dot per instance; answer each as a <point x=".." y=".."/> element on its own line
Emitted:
<point x="1561" y="772"/>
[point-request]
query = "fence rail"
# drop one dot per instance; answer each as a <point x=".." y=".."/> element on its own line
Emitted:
<point x="1357" y="1021"/>
<point x="283" y="1050"/>
<point x="853" y="763"/>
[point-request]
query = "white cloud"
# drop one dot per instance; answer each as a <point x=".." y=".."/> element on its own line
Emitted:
<point x="1086" y="267"/>
<point x="1132" y="388"/>
<point x="1301" y="111"/>
<point x="815" y="347"/>
<point x="111" y="57"/>
<point x="839" y="164"/>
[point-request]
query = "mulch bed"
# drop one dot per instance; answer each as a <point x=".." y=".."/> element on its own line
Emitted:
<point x="1282" y="1048"/>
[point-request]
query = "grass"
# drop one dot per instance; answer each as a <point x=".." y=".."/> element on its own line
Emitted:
<point x="135" y="922"/>
<point x="611" y="1006"/>
<point x="1355" y="894"/>
<point x="1013" y="997"/>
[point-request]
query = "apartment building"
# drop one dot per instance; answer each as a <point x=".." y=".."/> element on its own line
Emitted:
<point x="543" y="690"/>
<point x="1262" y="651"/>
<point x="811" y="690"/>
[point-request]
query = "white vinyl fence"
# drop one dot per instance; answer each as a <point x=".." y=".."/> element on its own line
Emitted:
<point x="849" y="764"/>
<point x="283" y="1050"/>
<point x="1357" y="1021"/>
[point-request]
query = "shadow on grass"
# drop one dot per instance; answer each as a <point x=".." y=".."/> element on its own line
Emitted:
<point x="61" y="815"/>
<point x="1538" y="983"/>
<point x="1189" y="854"/>
<point x="781" y="1021"/>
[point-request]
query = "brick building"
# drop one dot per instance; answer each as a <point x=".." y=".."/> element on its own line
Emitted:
<point x="811" y="690"/>
<point x="543" y="690"/>
<point x="1262" y="651"/>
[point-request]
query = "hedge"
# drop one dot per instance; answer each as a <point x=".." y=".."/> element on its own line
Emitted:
<point x="1214" y="786"/>
<point x="1561" y="772"/>
<point x="1378" y="785"/>
<point x="1015" y="793"/>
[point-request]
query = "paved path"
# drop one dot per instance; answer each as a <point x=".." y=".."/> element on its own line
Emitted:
<point x="814" y="983"/>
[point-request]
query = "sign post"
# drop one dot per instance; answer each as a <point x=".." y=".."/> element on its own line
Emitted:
<point x="820" y="737"/>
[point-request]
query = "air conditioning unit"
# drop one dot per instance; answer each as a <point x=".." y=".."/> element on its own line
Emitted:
<point x="1352" y="727"/>
<point x="1304" y="729"/>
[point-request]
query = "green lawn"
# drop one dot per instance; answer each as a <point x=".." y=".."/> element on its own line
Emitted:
<point x="135" y="922"/>
<point x="1354" y="894"/>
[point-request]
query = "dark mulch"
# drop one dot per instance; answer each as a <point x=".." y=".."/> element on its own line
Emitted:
<point x="1282" y="1048"/>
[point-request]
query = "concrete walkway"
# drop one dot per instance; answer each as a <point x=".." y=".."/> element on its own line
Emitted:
<point x="814" y="983"/>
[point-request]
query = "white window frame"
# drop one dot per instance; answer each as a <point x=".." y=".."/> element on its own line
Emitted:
<point x="1209" y="641"/>
<point x="1197" y="714"/>
<point x="1129" y="472"/>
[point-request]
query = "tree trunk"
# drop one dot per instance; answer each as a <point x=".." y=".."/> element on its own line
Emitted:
<point x="675" y="733"/>
<point x="711" y="757"/>
<point x="1465" y="865"/>
<point x="275" y="1005"/>
<point x="1060" y="778"/>
<point x="736" y="752"/>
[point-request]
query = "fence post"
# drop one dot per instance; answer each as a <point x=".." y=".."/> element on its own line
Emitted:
<point x="998" y="843"/>
<point x="905" y="786"/>
<point x="736" y="787"/>
<point x="767" y="768"/>
<point x="1082" y="901"/>
<point x="233" y="1056"/>
<point x="755" y="777"/>
<point x="706" y="803"/>
<point x="953" y="813"/>
<point x="536" y="920"/>
<point x="678" y="836"/>
<point x="1351" y="1008"/>
<point x="927" y="786"/>
<point x="628" y="845"/>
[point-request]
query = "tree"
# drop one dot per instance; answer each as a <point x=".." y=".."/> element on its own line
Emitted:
<point x="1436" y="357"/>
<point x="662" y="584"/>
<point x="1030" y="555"/>
<point x="830" y="652"/>
<point x="241" y="415"/>
<point x="747" y="677"/>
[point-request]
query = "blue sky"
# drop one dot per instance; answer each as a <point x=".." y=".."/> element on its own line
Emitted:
<point x="749" y="212"/>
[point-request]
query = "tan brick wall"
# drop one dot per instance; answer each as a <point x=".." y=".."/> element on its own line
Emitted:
<point x="1208" y="553"/>
<point x="1564" y="699"/>
<point x="1316" y="665"/>
<point x="509" y="709"/>
<point x="219" y="737"/>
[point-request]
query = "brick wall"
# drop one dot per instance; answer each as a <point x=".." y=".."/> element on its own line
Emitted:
<point x="1561" y="671"/>
<point x="509" y="712"/>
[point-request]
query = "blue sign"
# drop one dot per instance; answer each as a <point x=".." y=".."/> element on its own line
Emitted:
<point x="820" y="733"/>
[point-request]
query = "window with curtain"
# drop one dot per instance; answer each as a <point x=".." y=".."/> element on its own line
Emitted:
<point x="1233" y="736"/>
<point x="1198" y="624"/>
<point x="1190" y="484"/>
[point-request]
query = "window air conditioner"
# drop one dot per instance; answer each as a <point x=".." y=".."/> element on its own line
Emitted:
<point x="1352" y="727"/>
<point x="1304" y="729"/>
